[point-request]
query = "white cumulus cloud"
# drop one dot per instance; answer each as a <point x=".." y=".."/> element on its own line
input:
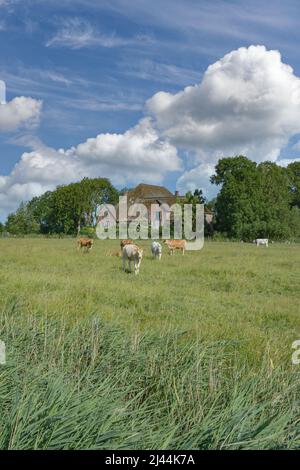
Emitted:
<point x="139" y="150"/>
<point x="21" y="111"/>
<point x="137" y="155"/>
<point x="197" y="178"/>
<point x="247" y="103"/>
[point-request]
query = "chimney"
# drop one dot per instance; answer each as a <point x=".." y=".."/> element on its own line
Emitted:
<point x="176" y="193"/>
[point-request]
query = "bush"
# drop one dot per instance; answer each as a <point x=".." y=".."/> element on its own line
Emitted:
<point x="88" y="232"/>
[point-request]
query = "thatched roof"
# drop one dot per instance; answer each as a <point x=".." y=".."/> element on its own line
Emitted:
<point x="149" y="194"/>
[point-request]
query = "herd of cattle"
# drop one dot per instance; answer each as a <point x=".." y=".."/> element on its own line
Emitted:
<point x="130" y="252"/>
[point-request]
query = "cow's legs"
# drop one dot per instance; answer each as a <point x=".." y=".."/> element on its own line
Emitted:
<point x="137" y="265"/>
<point x="124" y="264"/>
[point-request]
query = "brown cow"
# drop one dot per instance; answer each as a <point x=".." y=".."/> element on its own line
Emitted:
<point x="175" y="245"/>
<point x="125" y="242"/>
<point x="86" y="243"/>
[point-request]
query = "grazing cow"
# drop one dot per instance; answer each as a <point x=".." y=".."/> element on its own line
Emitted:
<point x="132" y="253"/>
<point x="175" y="245"/>
<point x="156" y="250"/>
<point x="86" y="243"/>
<point x="261" y="241"/>
<point x="125" y="242"/>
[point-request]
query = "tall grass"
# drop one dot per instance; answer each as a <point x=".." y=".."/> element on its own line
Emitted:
<point x="195" y="352"/>
<point x="91" y="385"/>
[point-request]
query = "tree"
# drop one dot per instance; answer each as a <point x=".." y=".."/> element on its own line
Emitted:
<point x="41" y="210"/>
<point x="294" y="176"/>
<point x="235" y="206"/>
<point x="124" y="190"/>
<point x="192" y="198"/>
<point x="66" y="209"/>
<point x="75" y="205"/>
<point x="254" y="200"/>
<point x="22" y="222"/>
<point x="211" y="205"/>
<point x="275" y="208"/>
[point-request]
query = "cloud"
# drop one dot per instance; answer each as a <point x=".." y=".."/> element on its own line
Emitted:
<point x="160" y="72"/>
<point x="21" y="111"/>
<point x="94" y="104"/>
<point x="287" y="161"/>
<point x="219" y="19"/>
<point x="137" y="155"/>
<point x="197" y="178"/>
<point x="296" y="146"/>
<point x="77" y="33"/>
<point x="247" y="103"/>
<point x="8" y="5"/>
<point x="139" y="150"/>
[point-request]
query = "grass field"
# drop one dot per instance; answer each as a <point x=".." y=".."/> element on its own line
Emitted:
<point x="195" y="352"/>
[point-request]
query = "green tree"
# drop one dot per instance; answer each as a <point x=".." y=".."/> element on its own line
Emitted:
<point x="74" y="206"/>
<point x="66" y="209"/>
<point x="274" y="214"/>
<point x="294" y="176"/>
<point x="22" y="222"/>
<point x="235" y="206"/>
<point x="254" y="200"/>
<point x="192" y="198"/>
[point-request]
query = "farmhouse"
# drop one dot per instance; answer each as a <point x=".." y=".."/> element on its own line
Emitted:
<point x="149" y="194"/>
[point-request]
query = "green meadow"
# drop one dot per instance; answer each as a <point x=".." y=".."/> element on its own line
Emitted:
<point x="193" y="353"/>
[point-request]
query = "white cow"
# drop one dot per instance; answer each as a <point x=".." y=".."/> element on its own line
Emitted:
<point x="261" y="241"/>
<point x="156" y="250"/>
<point x="132" y="253"/>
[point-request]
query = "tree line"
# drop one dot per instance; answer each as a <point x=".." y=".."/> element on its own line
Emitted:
<point x="257" y="200"/>
<point x="66" y="210"/>
<point x="254" y="200"/>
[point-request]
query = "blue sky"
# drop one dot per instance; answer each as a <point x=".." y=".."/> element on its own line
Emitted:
<point x="104" y="82"/>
